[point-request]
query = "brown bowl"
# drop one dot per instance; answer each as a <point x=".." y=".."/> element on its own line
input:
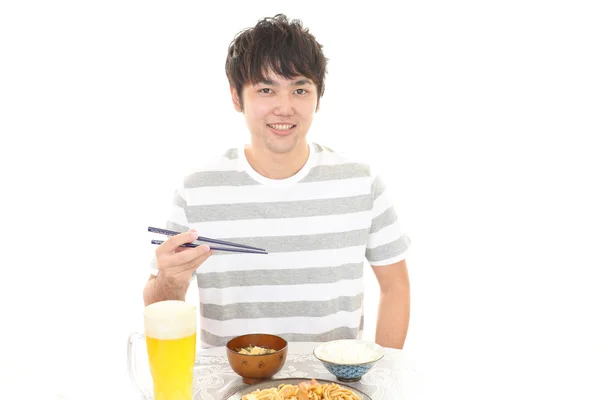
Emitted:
<point x="256" y="368"/>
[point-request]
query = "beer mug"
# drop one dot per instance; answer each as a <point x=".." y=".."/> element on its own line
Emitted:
<point x="170" y="336"/>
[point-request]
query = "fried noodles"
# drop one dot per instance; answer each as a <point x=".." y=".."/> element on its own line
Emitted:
<point x="303" y="391"/>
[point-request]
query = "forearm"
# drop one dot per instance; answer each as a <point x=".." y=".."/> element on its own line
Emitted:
<point x="159" y="289"/>
<point x="393" y="318"/>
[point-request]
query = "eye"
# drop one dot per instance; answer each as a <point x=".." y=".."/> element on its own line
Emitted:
<point x="265" y="91"/>
<point x="301" y="92"/>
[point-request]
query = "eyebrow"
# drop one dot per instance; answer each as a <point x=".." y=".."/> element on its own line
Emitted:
<point x="299" y="82"/>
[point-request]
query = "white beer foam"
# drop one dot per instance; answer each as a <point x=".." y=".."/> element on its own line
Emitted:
<point x="170" y="319"/>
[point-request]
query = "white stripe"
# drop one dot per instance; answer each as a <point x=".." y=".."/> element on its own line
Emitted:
<point x="282" y="261"/>
<point x="281" y="293"/>
<point x="265" y="194"/>
<point x="286" y="226"/>
<point x="278" y="326"/>
<point x="178" y="216"/>
<point x="381" y="204"/>
<point x="384" y="236"/>
<point x="182" y="192"/>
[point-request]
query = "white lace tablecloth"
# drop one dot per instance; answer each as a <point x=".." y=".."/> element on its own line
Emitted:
<point x="389" y="379"/>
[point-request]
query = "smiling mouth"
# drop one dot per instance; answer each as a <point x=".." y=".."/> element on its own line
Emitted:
<point x="281" y="129"/>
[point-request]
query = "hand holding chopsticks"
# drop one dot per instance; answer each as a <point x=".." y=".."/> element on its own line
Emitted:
<point x="176" y="266"/>
<point x="233" y="247"/>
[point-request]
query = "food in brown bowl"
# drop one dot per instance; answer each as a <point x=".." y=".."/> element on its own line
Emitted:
<point x="257" y="356"/>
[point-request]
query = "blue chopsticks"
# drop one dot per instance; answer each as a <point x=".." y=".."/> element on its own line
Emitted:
<point x="241" y="247"/>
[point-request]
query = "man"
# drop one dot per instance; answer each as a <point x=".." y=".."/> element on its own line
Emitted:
<point x="318" y="214"/>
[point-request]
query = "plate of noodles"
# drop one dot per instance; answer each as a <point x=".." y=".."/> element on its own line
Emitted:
<point x="299" y="389"/>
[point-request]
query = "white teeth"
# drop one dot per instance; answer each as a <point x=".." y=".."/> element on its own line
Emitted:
<point x="281" y="127"/>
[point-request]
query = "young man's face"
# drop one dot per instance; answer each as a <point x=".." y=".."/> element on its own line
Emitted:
<point x="279" y="111"/>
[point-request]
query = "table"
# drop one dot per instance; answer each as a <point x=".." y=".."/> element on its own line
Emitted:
<point x="390" y="379"/>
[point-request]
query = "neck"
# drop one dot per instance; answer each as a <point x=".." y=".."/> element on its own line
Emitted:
<point x="277" y="166"/>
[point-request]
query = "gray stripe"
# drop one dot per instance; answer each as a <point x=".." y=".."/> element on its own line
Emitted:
<point x="324" y="241"/>
<point x="218" y="178"/>
<point x="335" y="334"/>
<point x="281" y="309"/>
<point x="377" y="188"/>
<point x="331" y="172"/>
<point x="389" y="250"/>
<point x="231" y="154"/>
<point x="320" y="148"/>
<point x="173" y="226"/>
<point x="286" y="209"/>
<point x="386" y="218"/>
<point x="179" y="201"/>
<point x="260" y="277"/>
<point x="362" y="323"/>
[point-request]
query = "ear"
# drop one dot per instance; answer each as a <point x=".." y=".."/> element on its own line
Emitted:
<point x="236" y="99"/>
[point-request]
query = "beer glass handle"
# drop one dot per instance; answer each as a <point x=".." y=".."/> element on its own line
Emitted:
<point x="132" y="363"/>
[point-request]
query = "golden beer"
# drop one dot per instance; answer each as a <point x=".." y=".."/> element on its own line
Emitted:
<point x="170" y="330"/>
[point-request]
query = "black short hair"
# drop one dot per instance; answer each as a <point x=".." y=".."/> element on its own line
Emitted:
<point x="277" y="44"/>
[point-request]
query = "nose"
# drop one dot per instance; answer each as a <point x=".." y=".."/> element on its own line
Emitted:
<point x="285" y="106"/>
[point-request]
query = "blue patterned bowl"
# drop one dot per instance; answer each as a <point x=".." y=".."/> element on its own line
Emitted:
<point x="348" y="360"/>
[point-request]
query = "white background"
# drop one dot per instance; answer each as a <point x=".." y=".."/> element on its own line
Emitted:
<point x="481" y="114"/>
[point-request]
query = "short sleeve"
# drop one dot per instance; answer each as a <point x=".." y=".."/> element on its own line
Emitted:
<point x="387" y="243"/>
<point x="176" y="220"/>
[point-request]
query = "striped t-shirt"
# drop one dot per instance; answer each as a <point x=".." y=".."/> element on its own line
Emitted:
<point x="319" y="226"/>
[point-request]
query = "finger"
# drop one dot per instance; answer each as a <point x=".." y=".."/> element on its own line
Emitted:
<point x="175" y="241"/>
<point x="196" y="262"/>
<point x="180" y="249"/>
<point x="183" y="248"/>
<point x="191" y="264"/>
<point x="188" y="255"/>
